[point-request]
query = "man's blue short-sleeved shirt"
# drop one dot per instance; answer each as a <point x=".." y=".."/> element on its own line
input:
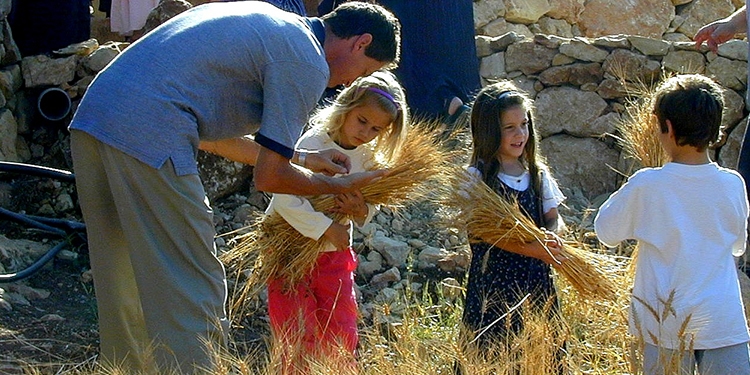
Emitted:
<point x="216" y="71"/>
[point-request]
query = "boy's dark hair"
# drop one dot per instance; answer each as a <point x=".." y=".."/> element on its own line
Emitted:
<point x="693" y="104"/>
<point x="356" y="18"/>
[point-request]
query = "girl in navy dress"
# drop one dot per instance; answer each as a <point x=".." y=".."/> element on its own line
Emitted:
<point x="505" y="158"/>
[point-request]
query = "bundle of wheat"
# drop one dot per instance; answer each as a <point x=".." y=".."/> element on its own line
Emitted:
<point x="639" y="135"/>
<point x="421" y="169"/>
<point x="492" y="219"/>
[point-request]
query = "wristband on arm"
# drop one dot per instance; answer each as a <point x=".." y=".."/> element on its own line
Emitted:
<point x="301" y="158"/>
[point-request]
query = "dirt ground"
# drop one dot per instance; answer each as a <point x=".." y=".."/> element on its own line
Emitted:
<point x="58" y="333"/>
<point x="50" y="333"/>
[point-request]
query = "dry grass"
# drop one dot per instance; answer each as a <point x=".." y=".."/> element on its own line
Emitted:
<point x="639" y="131"/>
<point x="426" y="339"/>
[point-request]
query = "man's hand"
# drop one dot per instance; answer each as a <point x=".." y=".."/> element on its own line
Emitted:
<point x="274" y="174"/>
<point x="329" y="162"/>
<point x="720" y="31"/>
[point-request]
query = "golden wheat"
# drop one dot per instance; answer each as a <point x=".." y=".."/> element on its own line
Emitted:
<point x="418" y="171"/>
<point x="492" y="219"/>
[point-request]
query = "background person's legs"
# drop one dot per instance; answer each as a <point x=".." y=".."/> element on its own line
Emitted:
<point x="733" y="360"/>
<point x="663" y="361"/>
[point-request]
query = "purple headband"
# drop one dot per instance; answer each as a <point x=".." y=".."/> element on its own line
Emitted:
<point x="386" y="95"/>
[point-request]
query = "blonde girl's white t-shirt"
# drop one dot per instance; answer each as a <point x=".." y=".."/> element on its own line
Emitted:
<point x="689" y="221"/>
<point x="298" y="211"/>
<point x="551" y="194"/>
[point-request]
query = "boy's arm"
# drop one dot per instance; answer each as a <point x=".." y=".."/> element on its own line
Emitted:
<point x="614" y="221"/>
<point x="740" y="245"/>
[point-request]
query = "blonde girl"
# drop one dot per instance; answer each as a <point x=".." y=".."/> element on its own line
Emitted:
<point x="505" y="157"/>
<point x="366" y="120"/>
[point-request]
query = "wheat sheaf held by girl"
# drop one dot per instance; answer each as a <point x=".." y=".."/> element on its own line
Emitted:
<point x="420" y="171"/>
<point x="492" y="219"/>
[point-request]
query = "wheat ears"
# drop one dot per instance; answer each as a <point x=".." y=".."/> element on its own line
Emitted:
<point x="424" y="169"/>
<point x="420" y="170"/>
<point x="490" y="218"/>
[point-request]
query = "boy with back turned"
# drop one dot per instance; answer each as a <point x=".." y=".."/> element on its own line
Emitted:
<point x="690" y="220"/>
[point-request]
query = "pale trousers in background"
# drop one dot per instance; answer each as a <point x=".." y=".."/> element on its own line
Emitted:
<point x="729" y="360"/>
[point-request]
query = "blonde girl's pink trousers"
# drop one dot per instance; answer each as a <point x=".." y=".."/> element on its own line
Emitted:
<point x="320" y="312"/>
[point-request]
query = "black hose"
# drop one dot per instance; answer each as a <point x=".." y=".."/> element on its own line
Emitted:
<point x="36" y="170"/>
<point x="23" y="219"/>
<point x="67" y="225"/>
<point x="11" y="277"/>
<point x="50" y="225"/>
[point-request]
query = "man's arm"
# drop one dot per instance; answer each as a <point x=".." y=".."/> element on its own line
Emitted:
<point x="720" y="31"/>
<point x="274" y="174"/>
<point x="242" y="149"/>
<point x="245" y="150"/>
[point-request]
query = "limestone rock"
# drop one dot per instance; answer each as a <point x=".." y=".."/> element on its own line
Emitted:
<point x="582" y="163"/>
<point x="567" y="109"/>
<point x="221" y="176"/>
<point x="631" y="66"/>
<point x="42" y="70"/>
<point x="605" y="17"/>
<point x="528" y="57"/>
<point x="582" y="50"/>
<point x="568" y="10"/>
<point x="729" y="73"/>
<point x="684" y="62"/>
<point x="525" y="11"/>
<point x="486" y="11"/>
<point x="8" y="135"/>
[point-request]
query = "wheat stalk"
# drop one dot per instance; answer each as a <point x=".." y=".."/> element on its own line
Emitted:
<point x="492" y="219"/>
<point x="639" y="135"/>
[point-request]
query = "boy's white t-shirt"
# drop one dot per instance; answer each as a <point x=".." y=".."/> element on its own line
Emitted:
<point x="298" y="211"/>
<point x="689" y="221"/>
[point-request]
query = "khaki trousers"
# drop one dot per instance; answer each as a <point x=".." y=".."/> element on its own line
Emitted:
<point x="160" y="289"/>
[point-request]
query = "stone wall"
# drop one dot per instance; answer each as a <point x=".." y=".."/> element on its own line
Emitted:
<point x="580" y="90"/>
<point x="673" y="20"/>
<point x="12" y="148"/>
